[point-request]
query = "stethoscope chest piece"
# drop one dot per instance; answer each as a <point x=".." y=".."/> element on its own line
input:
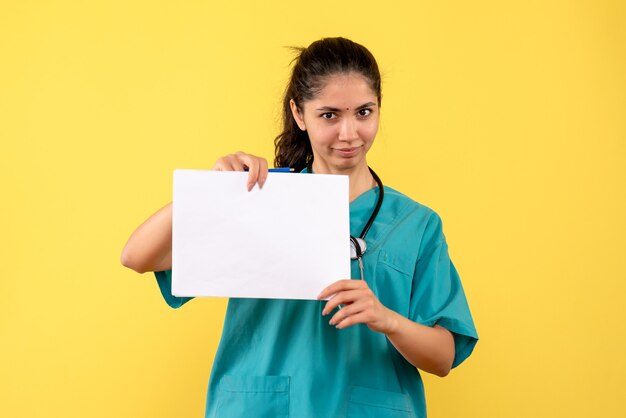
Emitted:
<point x="357" y="248"/>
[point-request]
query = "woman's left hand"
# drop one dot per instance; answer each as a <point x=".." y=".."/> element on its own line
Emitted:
<point x="360" y="306"/>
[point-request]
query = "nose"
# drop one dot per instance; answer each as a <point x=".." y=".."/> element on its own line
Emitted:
<point x="348" y="130"/>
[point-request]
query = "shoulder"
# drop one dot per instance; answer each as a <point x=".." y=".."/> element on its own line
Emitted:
<point x="412" y="219"/>
<point x="401" y="204"/>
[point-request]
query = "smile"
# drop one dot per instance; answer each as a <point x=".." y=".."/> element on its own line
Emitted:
<point x="347" y="152"/>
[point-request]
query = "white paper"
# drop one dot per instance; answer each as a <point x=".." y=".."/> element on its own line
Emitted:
<point x="288" y="240"/>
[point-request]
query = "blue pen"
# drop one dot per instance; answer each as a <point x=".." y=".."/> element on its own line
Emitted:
<point x="281" y="170"/>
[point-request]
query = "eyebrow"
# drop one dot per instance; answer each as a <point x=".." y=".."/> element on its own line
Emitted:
<point x="335" y="109"/>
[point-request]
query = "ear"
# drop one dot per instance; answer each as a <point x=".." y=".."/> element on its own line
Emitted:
<point x="298" y="117"/>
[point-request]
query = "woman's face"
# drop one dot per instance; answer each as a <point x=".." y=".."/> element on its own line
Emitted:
<point x="341" y="121"/>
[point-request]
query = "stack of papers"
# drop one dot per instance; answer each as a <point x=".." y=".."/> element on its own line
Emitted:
<point x="288" y="240"/>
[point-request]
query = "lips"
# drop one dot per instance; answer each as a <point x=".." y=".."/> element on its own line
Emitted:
<point x="347" y="152"/>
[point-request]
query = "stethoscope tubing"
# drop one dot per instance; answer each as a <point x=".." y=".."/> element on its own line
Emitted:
<point x="379" y="203"/>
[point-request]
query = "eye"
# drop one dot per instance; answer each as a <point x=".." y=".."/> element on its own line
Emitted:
<point x="328" y="115"/>
<point x="365" y="112"/>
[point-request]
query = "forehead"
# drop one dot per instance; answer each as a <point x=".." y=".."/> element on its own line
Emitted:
<point x="345" y="90"/>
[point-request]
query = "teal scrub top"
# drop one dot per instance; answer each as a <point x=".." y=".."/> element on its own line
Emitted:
<point x="281" y="358"/>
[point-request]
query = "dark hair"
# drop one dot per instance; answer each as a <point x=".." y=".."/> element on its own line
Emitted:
<point x="322" y="59"/>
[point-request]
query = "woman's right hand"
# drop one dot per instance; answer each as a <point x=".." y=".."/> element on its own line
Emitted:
<point x="240" y="161"/>
<point x="149" y="248"/>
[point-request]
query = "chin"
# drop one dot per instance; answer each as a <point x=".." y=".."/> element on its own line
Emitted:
<point x="349" y="163"/>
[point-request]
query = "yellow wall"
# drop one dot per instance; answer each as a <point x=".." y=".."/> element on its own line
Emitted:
<point x="507" y="118"/>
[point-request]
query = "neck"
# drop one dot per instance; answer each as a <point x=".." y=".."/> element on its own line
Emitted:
<point x="360" y="178"/>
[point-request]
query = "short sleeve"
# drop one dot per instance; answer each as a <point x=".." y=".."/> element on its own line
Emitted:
<point x="437" y="296"/>
<point x="164" y="279"/>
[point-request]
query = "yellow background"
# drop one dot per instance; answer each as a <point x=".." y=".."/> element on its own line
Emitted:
<point x="507" y="118"/>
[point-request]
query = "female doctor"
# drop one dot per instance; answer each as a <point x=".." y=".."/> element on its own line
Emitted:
<point x="404" y="310"/>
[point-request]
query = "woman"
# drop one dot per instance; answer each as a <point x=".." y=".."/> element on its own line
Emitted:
<point x="357" y="354"/>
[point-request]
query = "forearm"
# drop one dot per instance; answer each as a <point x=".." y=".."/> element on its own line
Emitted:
<point x="430" y="349"/>
<point x="149" y="248"/>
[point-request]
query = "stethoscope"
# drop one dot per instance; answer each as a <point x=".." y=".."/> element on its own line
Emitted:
<point x="358" y="246"/>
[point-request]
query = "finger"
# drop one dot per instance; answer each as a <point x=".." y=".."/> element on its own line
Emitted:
<point x="258" y="172"/>
<point x="339" y="286"/>
<point x="228" y="163"/>
<point x="238" y="162"/>
<point x="348" y="311"/>
<point x="223" y="164"/>
<point x="263" y="171"/>
<point x="253" y="169"/>
<point x="360" y="318"/>
<point x="345" y="297"/>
